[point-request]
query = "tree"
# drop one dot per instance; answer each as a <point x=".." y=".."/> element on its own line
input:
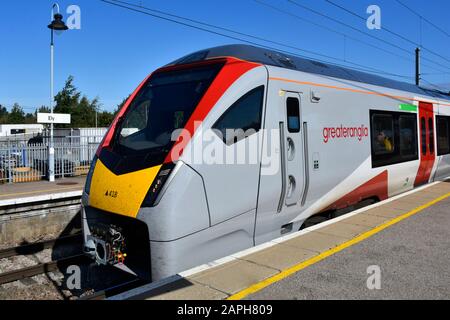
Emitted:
<point x="3" y="114"/>
<point x="16" y="116"/>
<point x="120" y="105"/>
<point x="82" y="110"/>
<point x="84" y="114"/>
<point x="30" y="118"/>
<point x="43" y="109"/>
<point x="67" y="99"/>
<point x="105" y="118"/>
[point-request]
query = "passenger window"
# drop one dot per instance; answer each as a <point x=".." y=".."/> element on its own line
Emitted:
<point x="242" y="119"/>
<point x="408" y="136"/>
<point x="424" y="135"/>
<point x="393" y="137"/>
<point x="293" y="114"/>
<point x="443" y="135"/>
<point x="431" y="134"/>
<point x="383" y="134"/>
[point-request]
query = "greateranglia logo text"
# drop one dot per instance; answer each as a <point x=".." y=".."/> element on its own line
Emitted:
<point x="345" y="133"/>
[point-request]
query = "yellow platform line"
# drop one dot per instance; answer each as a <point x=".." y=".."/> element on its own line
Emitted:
<point x="289" y="271"/>
<point x="41" y="191"/>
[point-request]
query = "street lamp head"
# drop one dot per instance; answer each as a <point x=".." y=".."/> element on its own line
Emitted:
<point x="58" y="24"/>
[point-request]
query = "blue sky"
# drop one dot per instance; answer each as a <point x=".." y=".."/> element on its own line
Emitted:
<point x="116" y="48"/>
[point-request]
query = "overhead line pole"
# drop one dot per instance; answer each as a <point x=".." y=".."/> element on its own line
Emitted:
<point x="417" y="66"/>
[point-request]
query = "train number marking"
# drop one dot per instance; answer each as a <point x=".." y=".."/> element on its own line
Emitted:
<point x="111" y="193"/>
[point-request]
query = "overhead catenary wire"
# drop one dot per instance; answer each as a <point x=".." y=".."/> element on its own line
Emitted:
<point x="362" y="32"/>
<point x="388" y="30"/>
<point x="346" y="36"/>
<point x="423" y="18"/>
<point x="327" y="28"/>
<point x="170" y="17"/>
<point x="435" y="86"/>
<point x="434" y="73"/>
<point x="259" y="38"/>
<point x="221" y="28"/>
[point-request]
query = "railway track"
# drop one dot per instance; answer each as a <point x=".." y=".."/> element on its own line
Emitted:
<point x="40" y="268"/>
<point x="60" y="264"/>
<point x="38" y="246"/>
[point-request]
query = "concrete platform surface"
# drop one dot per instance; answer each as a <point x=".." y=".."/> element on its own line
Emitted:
<point x="24" y="190"/>
<point x="407" y="238"/>
<point x="412" y="257"/>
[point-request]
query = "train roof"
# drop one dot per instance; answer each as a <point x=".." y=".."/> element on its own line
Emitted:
<point x="274" y="58"/>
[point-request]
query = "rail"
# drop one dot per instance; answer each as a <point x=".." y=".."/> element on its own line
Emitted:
<point x="27" y="272"/>
<point x="40" y="268"/>
<point x="37" y="246"/>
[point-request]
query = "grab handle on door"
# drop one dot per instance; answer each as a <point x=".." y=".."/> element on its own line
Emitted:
<point x="291" y="187"/>
<point x="290" y="149"/>
<point x="305" y="143"/>
<point x="283" y="167"/>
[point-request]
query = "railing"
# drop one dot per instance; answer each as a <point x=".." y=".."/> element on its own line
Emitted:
<point x="29" y="162"/>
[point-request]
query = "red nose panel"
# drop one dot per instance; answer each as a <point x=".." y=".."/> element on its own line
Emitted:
<point x="232" y="70"/>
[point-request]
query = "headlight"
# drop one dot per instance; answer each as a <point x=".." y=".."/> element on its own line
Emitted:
<point x="157" y="184"/>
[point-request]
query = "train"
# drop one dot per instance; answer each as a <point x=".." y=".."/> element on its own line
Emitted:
<point x="233" y="146"/>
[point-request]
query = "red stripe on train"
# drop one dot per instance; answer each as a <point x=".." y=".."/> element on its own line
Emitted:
<point x="106" y="142"/>
<point x="375" y="187"/>
<point x="232" y="70"/>
<point x="428" y="155"/>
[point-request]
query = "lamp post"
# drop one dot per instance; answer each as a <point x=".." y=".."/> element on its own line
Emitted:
<point x="58" y="25"/>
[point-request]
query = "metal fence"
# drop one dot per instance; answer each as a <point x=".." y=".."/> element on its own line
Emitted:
<point x="25" y="162"/>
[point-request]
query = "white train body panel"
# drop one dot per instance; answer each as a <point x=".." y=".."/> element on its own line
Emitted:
<point x="205" y="211"/>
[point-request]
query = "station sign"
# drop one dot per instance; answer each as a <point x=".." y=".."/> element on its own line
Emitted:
<point x="60" y="118"/>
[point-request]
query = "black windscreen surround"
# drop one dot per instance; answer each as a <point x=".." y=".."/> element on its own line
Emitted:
<point x="393" y="137"/>
<point x="147" y="131"/>
<point x="162" y="106"/>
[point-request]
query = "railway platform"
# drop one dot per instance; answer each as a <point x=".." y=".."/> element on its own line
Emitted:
<point x="17" y="193"/>
<point x="395" y="249"/>
<point x="33" y="211"/>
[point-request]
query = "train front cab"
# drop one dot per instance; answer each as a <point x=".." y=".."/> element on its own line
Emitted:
<point x="150" y="205"/>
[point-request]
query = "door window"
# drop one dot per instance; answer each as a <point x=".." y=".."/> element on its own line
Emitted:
<point x="431" y="134"/>
<point x="443" y="135"/>
<point x="423" y="129"/>
<point x="293" y="114"/>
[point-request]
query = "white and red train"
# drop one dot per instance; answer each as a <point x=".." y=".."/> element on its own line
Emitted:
<point x="326" y="137"/>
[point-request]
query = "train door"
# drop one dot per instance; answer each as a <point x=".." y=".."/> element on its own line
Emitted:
<point x="427" y="150"/>
<point x="282" y="187"/>
<point x="292" y="153"/>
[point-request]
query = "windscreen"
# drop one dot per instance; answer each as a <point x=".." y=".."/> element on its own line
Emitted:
<point x="162" y="106"/>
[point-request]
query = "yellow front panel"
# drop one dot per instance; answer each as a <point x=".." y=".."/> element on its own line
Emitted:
<point x="121" y="194"/>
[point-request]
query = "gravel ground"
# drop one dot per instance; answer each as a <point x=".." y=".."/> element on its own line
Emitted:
<point x="52" y="285"/>
<point x="44" y="286"/>
<point x="10" y="244"/>
<point x="41" y="287"/>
